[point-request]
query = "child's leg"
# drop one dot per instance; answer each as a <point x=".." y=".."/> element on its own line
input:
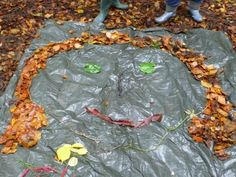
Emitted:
<point x="119" y="5"/>
<point x="171" y="6"/>
<point x="194" y="6"/>
<point x="104" y="7"/>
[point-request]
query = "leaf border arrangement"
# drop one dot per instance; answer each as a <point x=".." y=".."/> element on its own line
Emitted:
<point x="213" y="126"/>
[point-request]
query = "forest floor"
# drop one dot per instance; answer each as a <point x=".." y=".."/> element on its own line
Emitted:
<point x="21" y="19"/>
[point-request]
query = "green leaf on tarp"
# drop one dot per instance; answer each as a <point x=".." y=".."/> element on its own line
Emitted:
<point x="92" y="68"/>
<point x="147" y="67"/>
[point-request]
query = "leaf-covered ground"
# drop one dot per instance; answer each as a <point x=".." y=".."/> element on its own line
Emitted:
<point x="20" y="20"/>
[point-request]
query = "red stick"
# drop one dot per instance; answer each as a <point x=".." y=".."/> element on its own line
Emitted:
<point x="148" y="120"/>
<point x="125" y="122"/>
<point x="64" y="171"/>
<point x="25" y="172"/>
<point x="46" y="169"/>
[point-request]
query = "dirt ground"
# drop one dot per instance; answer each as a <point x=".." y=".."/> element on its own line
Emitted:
<point x="20" y="20"/>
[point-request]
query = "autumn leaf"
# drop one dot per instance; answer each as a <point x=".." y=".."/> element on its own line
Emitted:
<point x="92" y="68"/>
<point x="73" y="161"/>
<point x="80" y="11"/>
<point x="64" y="152"/>
<point x="78" y="46"/>
<point x="80" y="151"/>
<point x="147" y="67"/>
<point x="77" y="145"/>
<point x="56" y="48"/>
<point x="206" y="84"/>
<point x="198" y="139"/>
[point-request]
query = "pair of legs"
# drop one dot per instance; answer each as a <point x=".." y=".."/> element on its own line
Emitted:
<point x="172" y="5"/>
<point x="104" y="7"/>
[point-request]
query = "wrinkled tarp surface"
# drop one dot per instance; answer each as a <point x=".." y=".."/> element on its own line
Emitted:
<point x="170" y="90"/>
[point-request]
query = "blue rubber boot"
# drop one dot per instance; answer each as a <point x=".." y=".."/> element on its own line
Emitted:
<point x="169" y="13"/>
<point x="193" y="8"/>
<point x="104" y="7"/>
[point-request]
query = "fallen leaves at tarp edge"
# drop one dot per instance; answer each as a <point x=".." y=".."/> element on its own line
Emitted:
<point x="222" y="135"/>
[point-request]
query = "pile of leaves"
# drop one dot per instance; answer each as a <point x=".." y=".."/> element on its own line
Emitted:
<point x="216" y="125"/>
<point x="20" y="20"/>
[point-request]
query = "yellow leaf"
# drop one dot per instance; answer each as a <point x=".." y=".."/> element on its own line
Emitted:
<point x="210" y="67"/>
<point x="81" y="151"/>
<point x="77" y="145"/>
<point x="74" y="150"/>
<point x="80" y="11"/>
<point x="221" y="99"/>
<point x="109" y="35"/>
<point x="13" y="108"/>
<point x="56" y="48"/>
<point x="222" y="112"/>
<point x="73" y="161"/>
<point x="63" y="153"/>
<point x="223" y="10"/>
<point x="206" y="84"/>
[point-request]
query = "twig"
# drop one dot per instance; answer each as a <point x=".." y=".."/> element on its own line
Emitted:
<point x="25" y="164"/>
<point x="117" y="147"/>
<point x="92" y="138"/>
<point x="96" y="140"/>
<point x="52" y="150"/>
<point x="131" y="146"/>
<point x="190" y="115"/>
<point x="119" y="84"/>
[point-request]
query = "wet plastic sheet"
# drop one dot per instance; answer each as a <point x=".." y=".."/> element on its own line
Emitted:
<point x="121" y="90"/>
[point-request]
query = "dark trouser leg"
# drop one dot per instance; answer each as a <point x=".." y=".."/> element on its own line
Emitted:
<point x="172" y="5"/>
<point x="195" y="4"/>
